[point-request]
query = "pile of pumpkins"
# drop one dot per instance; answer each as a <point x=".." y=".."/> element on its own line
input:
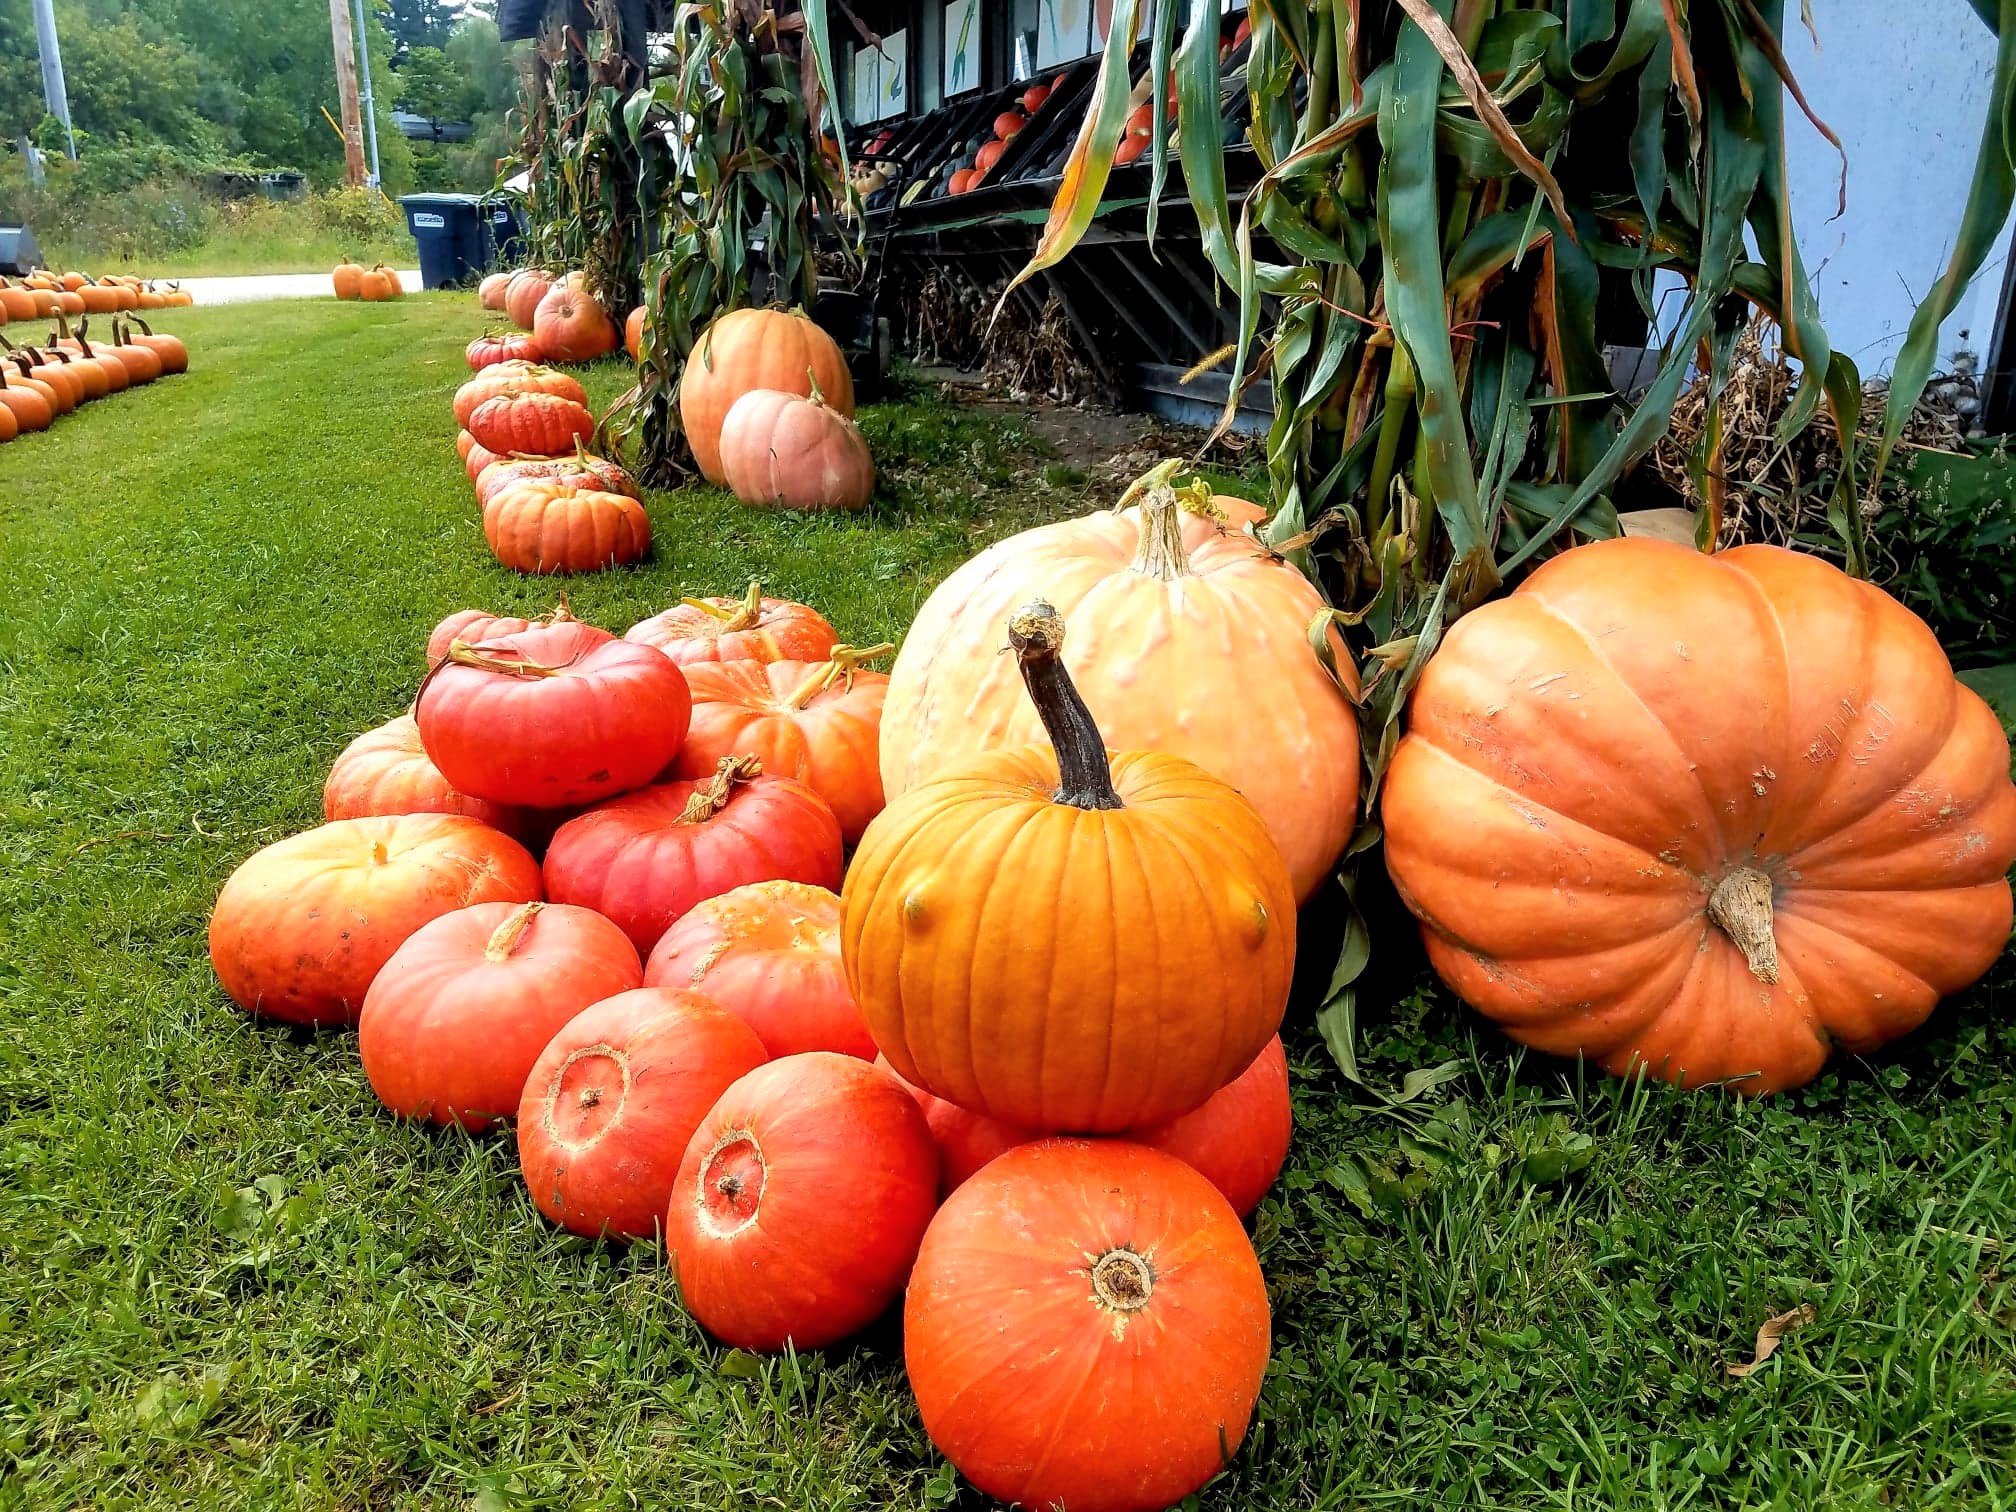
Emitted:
<point x="76" y="293"/>
<point x="976" y="159"/>
<point x="40" y="383"/>
<point x="378" y="282"/>
<point x="961" y="985"/>
<point x="559" y="320"/>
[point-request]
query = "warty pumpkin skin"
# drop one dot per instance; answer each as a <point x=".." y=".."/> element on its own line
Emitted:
<point x="584" y="467"/>
<point x="534" y="423"/>
<point x="496" y="347"/>
<point x="752" y="349"/>
<point x="515" y="378"/>
<point x="1086" y="1327"/>
<point x="1707" y="815"/>
<point x="1039" y="938"/>
<point x="726" y="629"/>
<point x="565" y="525"/>
<point x="1187" y="636"/>
<point x="780" y="450"/>
<point x="478" y="625"/>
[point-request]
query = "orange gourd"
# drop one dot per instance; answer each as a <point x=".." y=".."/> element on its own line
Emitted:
<point x="1059" y="940"/>
<point x="1706" y="815"/>
<point x="565" y="524"/>
<point x="752" y="349"/>
<point x="789" y="452"/>
<point x="1188" y="636"/>
<point x="348" y="280"/>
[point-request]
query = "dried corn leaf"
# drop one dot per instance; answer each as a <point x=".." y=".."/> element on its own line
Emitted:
<point x="1771" y="1333"/>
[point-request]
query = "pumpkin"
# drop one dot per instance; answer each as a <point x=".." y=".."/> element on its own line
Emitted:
<point x="960" y="182"/>
<point x="1705" y="815"/>
<point x="769" y="953"/>
<point x="490" y="292"/>
<point x="348" y="279"/>
<point x="494" y="347"/>
<point x="529" y="421"/>
<point x="173" y="354"/>
<point x="386" y="771"/>
<point x="1061" y="941"/>
<point x="724" y="629"/>
<point x="391" y="276"/>
<point x="800" y="1202"/>
<point x="303" y="926"/>
<point x="570" y="325"/>
<point x="518" y="378"/>
<point x="478" y="625"/>
<point x="551" y="716"/>
<point x="815" y="721"/>
<point x="477" y="458"/>
<point x="633" y="334"/>
<point x="613" y="1100"/>
<point x="647" y="858"/>
<point x="794" y="453"/>
<point x="565" y="524"/>
<point x="522" y="295"/>
<point x="374" y="286"/>
<point x="179" y="298"/>
<point x="17" y="303"/>
<point x="1188" y="636"/>
<point x="455" y="1021"/>
<point x="1034" y="96"/>
<point x="583" y="467"/>
<point x="1237" y="1139"/>
<point x="63" y="391"/>
<point x="988" y="155"/>
<point x="26" y="401"/>
<point x="1086" y="1327"/>
<point x="98" y="300"/>
<point x="143" y="363"/>
<point x="93" y="377"/>
<point x="752" y="349"/>
<point x="1007" y="126"/>
<point x="464" y="444"/>
<point x="9" y="426"/>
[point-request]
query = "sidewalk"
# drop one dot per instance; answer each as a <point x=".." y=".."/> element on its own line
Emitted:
<point x="243" y="290"/>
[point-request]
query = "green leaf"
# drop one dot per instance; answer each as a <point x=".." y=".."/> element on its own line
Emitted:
<point x="1200" y="131"/>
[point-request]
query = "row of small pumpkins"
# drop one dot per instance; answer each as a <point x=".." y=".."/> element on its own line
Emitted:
<point x="39" y="296"/>
<point x="824" y="1103"/>
<point x="41" y="384"/>
<point x="378" y="282"/>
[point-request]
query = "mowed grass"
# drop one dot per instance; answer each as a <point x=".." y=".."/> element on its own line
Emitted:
<point x="228" y="1280"/>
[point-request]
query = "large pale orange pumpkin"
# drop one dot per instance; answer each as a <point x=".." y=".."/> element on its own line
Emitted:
<point x="785" y="451"/>
<point x="755" y="349"/>
<point x="522" y="295"/>
<point x="1187" y="636"/>
<point x="1050" y="940"/>
<point x="1707" y="815"/>
<point x="558" y="525"/>
<point x="387" y="771"/>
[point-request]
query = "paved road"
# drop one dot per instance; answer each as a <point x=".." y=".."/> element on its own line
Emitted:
<point x="216" y="291"/>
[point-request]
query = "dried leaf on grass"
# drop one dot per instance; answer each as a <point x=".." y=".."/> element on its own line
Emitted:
<point x="1768" y="1337"/>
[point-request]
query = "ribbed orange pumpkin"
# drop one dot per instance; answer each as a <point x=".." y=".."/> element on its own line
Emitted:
<point x="1187" y="636"/>
<point x="583" y="467"/>
<point x="515" y="378"/>
<point x="528" y="421"/>
<point x="558" y="525"/>
<point x="522" y="295"/>
<point x="784" y="451"/>
<point x="752" y="349"/>
<point x="725" y="629"/>
<point x="490" y="292"/>
<point x="495" y="347"/>
<point x="387" y="771"/>
<point x="1708" y="815"/>
<point x="815" y="721"/>
<point x="348" y="280"/>
<point x="1050" y="941"/>
<point x="570" y="325"/>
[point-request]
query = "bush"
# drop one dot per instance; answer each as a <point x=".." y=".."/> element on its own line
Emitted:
<point x="358" y="215"/>
<point x="117" y="217"/>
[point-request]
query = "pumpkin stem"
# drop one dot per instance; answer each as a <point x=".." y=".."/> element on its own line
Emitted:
<point x="1741" y="909"/>
<point x="1161" y="553"/>
<point x="464" y="654"/>
<point x="813" y="379"/>
<point x="741" y="617"/>
<point x="842" y="662"/>
<point x="559" y="614"/>
<point x="1123" y="1280"/>
<point x="712" y="796"/>
<point x="1036" y="633"/>
<point x="505" y="938"/>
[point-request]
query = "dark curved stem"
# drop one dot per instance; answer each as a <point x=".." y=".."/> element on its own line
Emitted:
<point x="1084" y="779"/>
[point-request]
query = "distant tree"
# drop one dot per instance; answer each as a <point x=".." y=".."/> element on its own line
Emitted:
<point x="431" y="85"/>
<point x="420" y="23"/>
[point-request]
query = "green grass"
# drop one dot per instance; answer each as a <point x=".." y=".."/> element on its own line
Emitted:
<point x="228" y="1281"/>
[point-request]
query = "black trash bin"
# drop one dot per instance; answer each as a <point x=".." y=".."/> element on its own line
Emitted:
<point x="454" y="242"/>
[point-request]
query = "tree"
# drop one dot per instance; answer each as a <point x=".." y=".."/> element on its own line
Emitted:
<point x="431" y="86"/>
<point x="420" y="23"/>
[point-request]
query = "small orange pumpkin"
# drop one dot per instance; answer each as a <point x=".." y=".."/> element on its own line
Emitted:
<point x="560" y="525"/>
<point x="374" y="285"/>
<point x="633" y="334"/>
<point x="570" y="325"/>
<point x="752" y="349"/>
<point x="348" y="279"/>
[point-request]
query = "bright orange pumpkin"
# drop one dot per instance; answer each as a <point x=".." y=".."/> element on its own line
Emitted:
<point x="633" y="334"/>
<point x="1187" y="636"/>
<point x="173" y="354"/>
<point x="1086" y="1327"/>
<point x="570" y="325"/>
<point x="348" y="280"/>
<point x="27" y="402"/>
<point x="816" y="721"/>
<point x="522" y="295"/>
<point x="374" y="286"/>
<point x="565" y="524"/>
<point x="769" y="953"/>
<point x="752" y="349"/>
<point x="784" y="451"/>
<point x="531" y="422"/>
<point x="1707" y="815"/>
<point x="725" y="629"/>
<point x="1059" y="941"/>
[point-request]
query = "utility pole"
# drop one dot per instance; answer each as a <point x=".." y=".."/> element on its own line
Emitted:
<point x="370" y="110"/>
<point x="346" y="90"/>
<point x="54" y="95"/>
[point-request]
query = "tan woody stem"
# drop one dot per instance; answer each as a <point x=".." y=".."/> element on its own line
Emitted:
<point x="1741" y="908"/>
<point x="506" y="937"/>
<point x="712" y="796"/>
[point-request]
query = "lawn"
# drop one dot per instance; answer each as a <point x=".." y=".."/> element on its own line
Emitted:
<point x="228" y="1280"/>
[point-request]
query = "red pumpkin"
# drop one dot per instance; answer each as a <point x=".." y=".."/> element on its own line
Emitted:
<point x="522" y="295"/>
<point x="386" y="771"/>
<point x="478" y="625"/>
<point x="303" y="926"/>
<point x="532" y="423"/>
<point x="613" y="1101"/>
<point x="1086" y="1327"/>
<point x="583" y="467"/>
<point x="563" y="525"/>
<point x="960" y="182"/>
<point x="570" y="325"/>
<point x="966" y="1140"/>
<point x="752" y="349"/>
<point x="724" y="629"/>
<point x="500" y="346"/>
<point x="1008" y="125"/>
<point x="454" y="1023"/>
<point x="633" y="334"/>
<point x="780" y="450"/>
<point x="800" y="1203"/>
<point x="518" y="378"/>
<point x="648" y="858"/>
<point x="552" y="716"/>
<point x="988" y="155"/>
<point x="769" y="953"/>
<point x="1130" y="150"/>
<point x="1034" y="97"/>
<point x="490" y="292"/>
<point x="815" y="721"/>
